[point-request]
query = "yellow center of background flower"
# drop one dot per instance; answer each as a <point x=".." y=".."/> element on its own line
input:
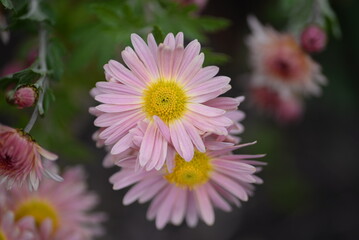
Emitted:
<point x="40" y="210"/>
<point x="189" y="174"/>
<point x="165" y="99"/>
<point x="2" y="235"/>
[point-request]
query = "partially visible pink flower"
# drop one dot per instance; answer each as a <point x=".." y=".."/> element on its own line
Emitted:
<point x="21" y="159"/>
<point x="191" y="190"/>
<point x="25" y="96"/>
<point x="11" y="68"/>
<point x="61" y="211"/>
<point x="200" y="3"/>
<point x="313" y="39"/>
<point x="284" y="109"/>
<point x="165" y="88"/>
<point x="279" y="62"/>
<point x="21" y="230"/>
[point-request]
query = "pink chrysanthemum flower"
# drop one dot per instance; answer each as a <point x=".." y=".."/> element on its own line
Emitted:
<point x="21" y="159"/>
<point x="279" y="62"/>
<point x="165" y="87"/>
<point x="60" y="210"/>
<point x="191" y="189"/>
<point x="9" y="230"/>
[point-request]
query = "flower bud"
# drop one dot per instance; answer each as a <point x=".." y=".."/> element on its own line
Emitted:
<point x="313" y="39"/>
<point x="25" y="96"/>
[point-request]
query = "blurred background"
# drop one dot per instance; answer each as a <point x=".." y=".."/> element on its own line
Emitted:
<point x="311" y="184"/>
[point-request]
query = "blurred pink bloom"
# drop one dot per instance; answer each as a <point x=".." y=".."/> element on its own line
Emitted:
<point x="9" y="230"/>
<point x="279" y="62"/>
<point x="21" y="159"/>
<point x="11" y="68"/>
<point x="283" y="109"/>
<point x="25" y="96"/>
<point x="191" y="190"/>
<point x="60" y="210"/>
<point x="200" y="3"/>
<point x="313" y="39"/>
<point x="165" y="90"/>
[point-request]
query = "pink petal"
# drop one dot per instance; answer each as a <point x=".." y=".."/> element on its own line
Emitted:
<point x="166" y="208"/>
<point x="111" y="98"/>
<point x="203" y="75"/>
<point x="191" y="214"/>
<point x="230" y="185"/>
<point x="195" y="136"/>
<point x="179" y="207"/>
<point x="145" y="55"/>
<point x="165" y="131"/>
<point x="226" y="103"/>
<point x="181" y="141"/>
<point x="124" y="75"/>
<point x="217" y="199"/>
<point x="139" y="189"/>
<point x="204" y="204"/>
<point x="205" y="110"/>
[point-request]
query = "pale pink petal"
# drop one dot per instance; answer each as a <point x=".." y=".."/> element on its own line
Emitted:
<point x="181" y="141"/>
<point x="179" y="207"/>
<point x="165" y="131"/>
<point x="166" y="208"/>
<point x="217" y="199"/>
<point x="194" y="135"/>
<point x="145" y="55"/>
<point x="191" y="214"/>
<point x="136" y="191"/>
<point x="204" y="204"/>
<point x="111" y="98"/>
<point x="124" y="75"/>
<point x="203" y="75"/>
<point x="170" y="41"/>
<point x="230" y="185"/>
<point x="148" y="145"/>
<point x="205" y="110"/>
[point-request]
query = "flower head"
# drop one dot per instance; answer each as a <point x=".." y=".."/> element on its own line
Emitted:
<point x="60" y="211"/>
<point x="279" y="62"/>
<point x="21" y="159"/>
<point x="25" y="96"/>
<point x="313" y="39"/>
<point x="191" y="190"/>
<point x="11" y="230"/>
<point x="164" y="89"/>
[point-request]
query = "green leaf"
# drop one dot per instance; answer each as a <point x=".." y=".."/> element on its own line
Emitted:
<point x="212" y="24"/>
<point x="158" y="34"/>
<point x="7" y="4"/>
<point x="24" y="77"/>
<point x="49" y="97"/>
<point x="214" y="58"/>
<point x="55" y="58"/>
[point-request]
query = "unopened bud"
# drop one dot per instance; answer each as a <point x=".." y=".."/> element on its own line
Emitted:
<point x="25" y="96"/>
<point x="313" y="39"/>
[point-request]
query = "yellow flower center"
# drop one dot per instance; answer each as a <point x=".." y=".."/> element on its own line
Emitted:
<point x="2" y="235"/>
<point x="192" y="173"/>
<point x="165" y="99"/>
<point x="40" y="210"/>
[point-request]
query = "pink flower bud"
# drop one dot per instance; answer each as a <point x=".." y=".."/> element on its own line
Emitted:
<point x="25" y="96"/>
<point x="313" y="39"/>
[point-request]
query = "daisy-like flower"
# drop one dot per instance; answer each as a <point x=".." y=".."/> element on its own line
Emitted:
<point x="21" y="159"/>
<point x="191" y="190"/>
<point x="60" y="210"/>
<point x="9" y="230"/>
<point x="279" y="62"/>
<point x="165" y="88"/>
